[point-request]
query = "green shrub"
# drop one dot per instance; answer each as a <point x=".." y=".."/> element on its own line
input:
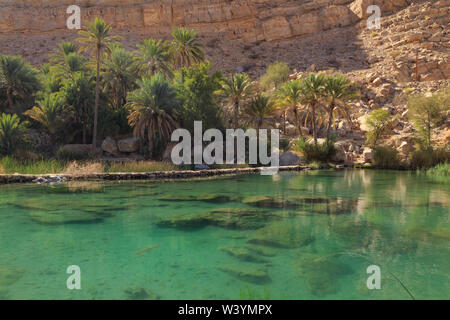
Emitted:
<point x="386" y="158"/>
<point x="440" y="173"/>
<point x="322" y="152"/>
<point x="11" y="130"/>
<point x="276" y="74"/>
<point x="378" y="122"/>
<point x="285" y="145"/>
<point x="424" y="159"/>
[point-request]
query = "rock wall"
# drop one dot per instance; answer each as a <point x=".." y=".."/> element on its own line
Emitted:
<point x="250" y="20"/>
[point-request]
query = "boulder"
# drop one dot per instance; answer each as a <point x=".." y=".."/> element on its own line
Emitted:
<point x="289" y="159"/>
<point x="167" y="155"/>
<point x="109" y="145"/>
<point x="128" y="145"/>
<point x="368" y="155"/>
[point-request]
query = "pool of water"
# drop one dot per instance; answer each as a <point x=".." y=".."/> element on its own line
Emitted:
<point x="309" y="235"/>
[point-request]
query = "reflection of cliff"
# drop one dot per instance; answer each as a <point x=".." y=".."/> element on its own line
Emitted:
<point x="251" y="20"/>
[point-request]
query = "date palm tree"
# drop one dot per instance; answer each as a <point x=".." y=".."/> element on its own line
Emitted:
<point x="313" y="88"/>
<point x="17" y="78"/>
<point x="10" y="132"/>
<point x="72" y="63"/>
<point x="96" y="40"/>
<point x="185" y="47"/>
<point x="259" y="108"/>
<point x="119" y="76"/>
<point x="154" y="57"/>
<point x="338" y="89"/>
<point x="49" y="113"/>
<point x="289" y="96"/>
<point x="237" y="89"/>
<point x="153" y="109"/>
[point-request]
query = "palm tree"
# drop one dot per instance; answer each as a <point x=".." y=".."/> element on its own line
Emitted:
<point x="49" y="113"/>
<point x="237" y="89"/>
<point x="18" y="78"/>
<point x="259" y="108"/>
<point x="289" y="96"/>
<point x="97" y="40"/>
<point x="64" y="49"/>
<point x="153" y="109"/>
<point x="72" y="63"/>
<point x="10" y="131"/>
<point x="119" y="75"/>
<point x="154" y="57"/>
<point x="312" y="87"/>
<point x="338" y="89"/>
<point x="185" y="47"/>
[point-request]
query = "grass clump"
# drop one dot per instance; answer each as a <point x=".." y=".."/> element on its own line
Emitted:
<point x="78" y="168"/>
<point x="139" y="166"/>
<point x="440" y="173"/>
<point x="386" y="158"/>
<point x="321" y="152"/>
<point x="425" y="159"/>
<point x="11" y="165"/>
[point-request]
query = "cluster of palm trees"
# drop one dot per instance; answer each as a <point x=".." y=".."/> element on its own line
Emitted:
<point x="76" y="81"/>
<point x="314" y="99"/>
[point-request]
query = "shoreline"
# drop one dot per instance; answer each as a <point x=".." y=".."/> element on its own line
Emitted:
<point x="157" y="175"/>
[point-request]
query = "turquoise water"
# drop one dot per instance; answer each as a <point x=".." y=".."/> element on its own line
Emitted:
<point x="308" y="235"/>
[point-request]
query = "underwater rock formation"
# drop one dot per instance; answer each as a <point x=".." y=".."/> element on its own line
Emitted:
<point x="229" y="218"/>
<point x="282" y="235"/>
<point x="10" y="275"/>
<point x="137" y="293"/>
<point x="247" y="272"/>
<point x="214" y="198"/>
<point x="243" y="254"/>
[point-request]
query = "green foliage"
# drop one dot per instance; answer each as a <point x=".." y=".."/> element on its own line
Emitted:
<point x="285" y="145"/>
<point x="378" y="122"/>
<point x="185" y="48"/>
<point x="18" y="79"/>
<point x="196" y="89"/>
<point x="11" y="130"/>
<point x="428" y="112"/>
<point x="424" y="159"/>
<point x="386" y="158"/>
<point x="259" y="108"/>
<point x="440" y="173"/>
<point x="12" y="165"/>
<point x="322" y="152"/>
<point x="276" y="74"/>
<point x="153" y="109"/>
<point x="154" y="57"/>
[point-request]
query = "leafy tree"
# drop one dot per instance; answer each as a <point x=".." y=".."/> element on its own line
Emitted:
<point x="428" y="112"/>
<point x="49" y="113"/>
<point x="378" y="122"/>
<point x="79" y="95"/>
<point x="153" y="109"/>
<point x="312" y="88"/>
<point x="276" y="74"/>
<point x="237" y="89"/>
<point x="259" y="108"/>
<point x="196" y="89"/>
<point x="97" y="39"/>
<point x="18" y="79"/>
<point x="185" y="47"/>
<point x="154" y="57"/>
<point x="289" y="96"/>
<point x="119" y="76"/>
<point x="338" y="90"/>
<point x="11" y="130"/>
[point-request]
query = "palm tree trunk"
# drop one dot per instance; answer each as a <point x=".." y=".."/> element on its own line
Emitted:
<point x="297" y="121"/>
<point x="330" y="120"/>
<point x="313" y="106"/>
<point x="97" y="97"/>
<point x="236" y="114"/>
<point x="84" y="134"/>
<point x="10" y="100"/>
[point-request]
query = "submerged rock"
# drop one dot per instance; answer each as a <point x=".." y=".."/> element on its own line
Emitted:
<point x="215" y="198"/>
<point x="65" y="217"/>
<point x="243" y="253"/>
<point x="265" y="251"/>
<point x="320" y="272"/>
<point x="137" y="293"/>
<point x="247" y="272"/>
<point x="9" y="275"/>
<point x="281" y="235"/>
<point x="230" y="218"/>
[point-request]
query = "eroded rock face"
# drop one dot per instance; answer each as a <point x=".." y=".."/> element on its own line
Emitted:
<point x="251" y="20"/>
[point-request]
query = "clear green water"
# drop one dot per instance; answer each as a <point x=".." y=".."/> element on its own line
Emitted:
<point x="319" y="233"/>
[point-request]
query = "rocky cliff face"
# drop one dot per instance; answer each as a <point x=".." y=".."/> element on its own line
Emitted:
<point x="251" y="20"/>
